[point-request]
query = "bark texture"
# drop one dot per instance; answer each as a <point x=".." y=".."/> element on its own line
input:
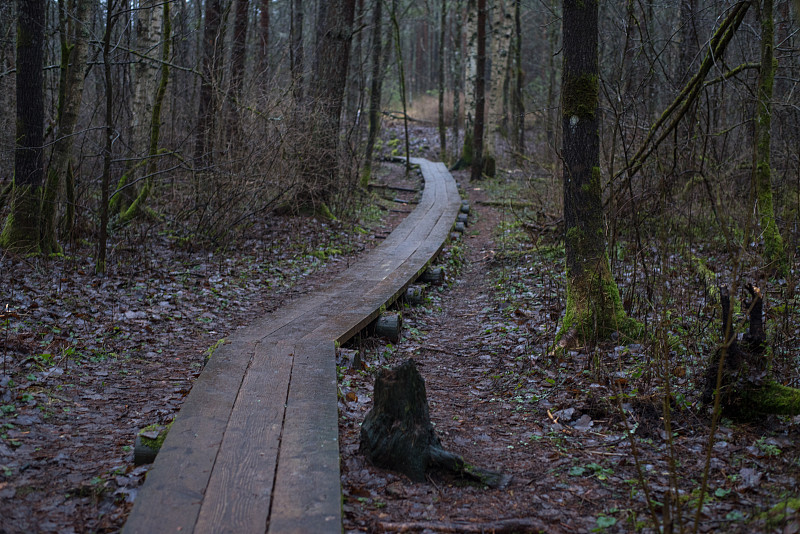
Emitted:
<point x="21" y="230"/>
<point x="480" y="95"/>
<point x="774" y="250"/>
<point x="594" y="309"/>
<point x="502" y="32"/>
<point x="397" y="432"/>
<point x="209" y="102"/>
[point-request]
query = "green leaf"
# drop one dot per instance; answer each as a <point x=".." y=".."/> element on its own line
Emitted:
<point x="605" y="521"/>
<point x="721" y="493"/>
<point x="577" y="471"/>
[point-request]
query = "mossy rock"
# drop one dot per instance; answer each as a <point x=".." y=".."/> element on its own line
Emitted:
<point x="148" y="442"/>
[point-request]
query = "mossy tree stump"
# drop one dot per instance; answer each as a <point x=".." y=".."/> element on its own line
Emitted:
<point x="397" y="433"/>
<point x="739" y="370"/>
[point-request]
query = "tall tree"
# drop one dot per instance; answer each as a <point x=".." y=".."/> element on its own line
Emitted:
<point x="480" y="95"/>
<point x="330" y="78"/>
<point x="502" y="32"/>
<point x="238" y="58"/>
<point x="21" y="230"/>
<point x="296" y="55"/>
<point x="74" y="36"/>
<point x="593" y="309"/>
<point x="376" y="84"/>
<point x="442" y="63"/>
<point x="263" y="35"/>
<point x="517" y="82"/>
<point x="762" y="173"/>
<point x="212" y="46"/>
<point x="470" y="74"/>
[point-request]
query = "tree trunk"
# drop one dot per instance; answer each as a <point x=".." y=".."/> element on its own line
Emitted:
<point x="149" y="30"/>
<point x="480" y="95"/>
<point x="297" y="60"/>
<point x="774" y="250"/>
<point x="594" y="309"/>
<point x="263" y="37"/>
<point x="471" y="73"/>
<point x="321" y="170"/>
<point x="442" y="64"/>
<point x="518" y="105"/>
<point x="376" y="84"/>
<point x="74" y="50"/>
<point x="21" y="230"/>
<point x="100" y="263"/>
<point x="457" y="73"/>
<point x="238" y="60"/>
<point x="502" y="31"/>
<point x="402" y="75"/>
<point x="206" y="121"/>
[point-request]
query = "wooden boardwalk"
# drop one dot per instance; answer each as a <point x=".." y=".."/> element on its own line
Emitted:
<point x="255" y="446"/>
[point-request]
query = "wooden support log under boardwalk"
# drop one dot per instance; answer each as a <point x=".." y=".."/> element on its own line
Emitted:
<point x="255" y="446"/>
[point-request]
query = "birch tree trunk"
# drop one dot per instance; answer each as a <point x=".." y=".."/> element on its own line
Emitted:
<point x="502" y="31"/>
<point x="470" y="74"/>
<point x="457" y="73"/>
<point x="149" y="28"/>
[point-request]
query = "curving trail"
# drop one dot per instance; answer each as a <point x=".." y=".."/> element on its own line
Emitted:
<point x="255" y="446"/>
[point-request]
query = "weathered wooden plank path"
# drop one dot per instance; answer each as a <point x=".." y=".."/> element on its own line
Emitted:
<point x="255" y="446"/>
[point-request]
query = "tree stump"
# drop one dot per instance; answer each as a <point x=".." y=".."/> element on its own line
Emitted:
<point x="742" y="381"/>
<point x="397" y="433"/>
<point x="389" y="326"/>
<point x="414" y="295"/>
<point x="465" y="206"/>
<point x="432" y="275"/>
<point x="462" y="218"/>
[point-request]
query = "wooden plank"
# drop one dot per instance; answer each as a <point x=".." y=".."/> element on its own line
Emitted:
<point x="255" y="446"/>
<point x="172" y="493"/>
<point x="308" y="495"/>
<point x="240" y="488"/>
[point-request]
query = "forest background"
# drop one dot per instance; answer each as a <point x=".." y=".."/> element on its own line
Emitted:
<point x="129" y="126"/>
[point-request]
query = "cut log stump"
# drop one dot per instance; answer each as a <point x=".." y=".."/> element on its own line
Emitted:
<point x="432" y="275"/>
<point x="397" y="433"/>
<point x="414" y="295"/>
<point x="389" y="326"/>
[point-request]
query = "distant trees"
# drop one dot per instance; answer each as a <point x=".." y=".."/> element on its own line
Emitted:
<point x="253" y="115"/>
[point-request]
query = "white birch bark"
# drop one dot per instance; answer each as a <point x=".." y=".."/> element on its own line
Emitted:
<point x="149" y="28"/>
<point x="502" y="29"/>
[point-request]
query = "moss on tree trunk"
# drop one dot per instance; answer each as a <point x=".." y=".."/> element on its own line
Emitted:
<point x="594" y="309"/>
<point x="774" y="250"/>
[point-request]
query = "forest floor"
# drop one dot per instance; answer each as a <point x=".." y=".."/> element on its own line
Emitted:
<point x="88" y="361"/>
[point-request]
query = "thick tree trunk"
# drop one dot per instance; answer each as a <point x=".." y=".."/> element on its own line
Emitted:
<point x="21" y="230"/>
<point x="480" y="96"/>
<point x="74" y="50"/>
<point x="375" y="90"/>
<point x="593" y="309"/>
<point x="149" y="30"/>
<point x="774" y="250"/>
<point x="321" y="170"/>
<point x="397" y="432"/>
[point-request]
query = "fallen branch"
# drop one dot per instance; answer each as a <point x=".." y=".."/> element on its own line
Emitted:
<point x="500" y="526"/>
